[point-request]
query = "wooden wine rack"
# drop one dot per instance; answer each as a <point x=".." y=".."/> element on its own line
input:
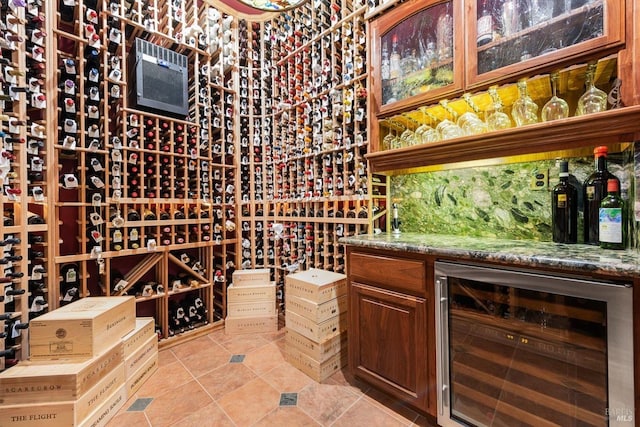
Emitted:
<point x="302" y="162"/>
<point x="165" y="208"/>
<point x="25" y="170"/>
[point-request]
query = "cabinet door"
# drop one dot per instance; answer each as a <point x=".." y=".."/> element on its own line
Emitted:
<point x="416" y="53"/>
<point x="512" y="37"/>
<point x="388" y="342"/>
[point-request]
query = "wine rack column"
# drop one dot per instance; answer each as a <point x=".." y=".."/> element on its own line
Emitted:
<point x="225" y="123"/>
<point x="23" y="169"/>
<point x="321" y="184"/>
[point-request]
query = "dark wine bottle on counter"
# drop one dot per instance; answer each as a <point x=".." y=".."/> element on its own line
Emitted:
<point x="594" y="190"/>
<point x="564" y="208"/>
<point x="612" y="218"/>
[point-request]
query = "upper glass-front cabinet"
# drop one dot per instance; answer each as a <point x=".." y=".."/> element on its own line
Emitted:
<point x="514" y="36"/>
<point x="416" y="53"/>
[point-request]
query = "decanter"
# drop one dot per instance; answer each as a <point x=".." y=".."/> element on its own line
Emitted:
<point x="524" y="111"/>
<point x="593" y="100"/>
<point x="495" y="117"/>
<point x="556" y="108"/>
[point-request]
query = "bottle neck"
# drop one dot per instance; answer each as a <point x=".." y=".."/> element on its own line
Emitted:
<point x="601" y="163"/>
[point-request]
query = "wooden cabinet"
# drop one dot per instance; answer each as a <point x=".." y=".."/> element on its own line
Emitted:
<point x="391" y="332"/>
<point x="526" y="39"/>
<point x="409" y="133"/>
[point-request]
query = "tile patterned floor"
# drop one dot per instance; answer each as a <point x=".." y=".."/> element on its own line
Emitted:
<point x="244" y="380"/>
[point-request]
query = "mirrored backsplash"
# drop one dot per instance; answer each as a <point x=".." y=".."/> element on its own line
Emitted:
<point x="509" y="201"/>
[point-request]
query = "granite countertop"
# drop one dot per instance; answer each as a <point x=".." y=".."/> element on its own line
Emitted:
<point x="578" y="258"/>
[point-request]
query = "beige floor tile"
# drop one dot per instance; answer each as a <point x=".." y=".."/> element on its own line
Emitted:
<point x="364" y="413"/>
<point x="165" y="379"/>
<point x="249" y="403"/>
<point x="287" y="379"/>
<point x="206" y="360"/>
<point x="176" y="404"/>
<point x="210" y="416"/>
<point x="137" y="419"/>
<point x="264" y="359"/>
<point x="166" y="357"/>
<point x="241" y="344"/>
<point x="289" y="416"/>
<point x="189" y="348"/>
<point x="325" y="402"/>
<point x="226" y="379"/>
<point x="344" y="378"/>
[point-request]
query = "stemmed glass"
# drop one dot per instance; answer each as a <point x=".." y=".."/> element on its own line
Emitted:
<point x="593" y="100"/>
<point x="555" y="108"/>
<point x="524" y="111"/>
<point x="470" y="121"/>
<point x="448" y="129"/>
<point x="495" y="117"/>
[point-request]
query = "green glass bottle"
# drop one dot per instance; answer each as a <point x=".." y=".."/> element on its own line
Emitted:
<point x="611" y="218"/>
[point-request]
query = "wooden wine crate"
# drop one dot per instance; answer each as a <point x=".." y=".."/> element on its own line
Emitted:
<point x="316" y="285"/>
<point x="314" y="311"/>
<point x="317" y="351"/>
<point x="144" y="353"/>
<point x="144" y="372"/>
<point x="317" y="332"/>
<point x="244" y="325"/>
<point x="251" y="293"/>
<point x="81" y="329"/>
<point x="35" y="382"/>
<point x="319" y="371"/>
<point x="252" y="309"/>
<point x="106" y="410"/>
<point x="251" y="277"/>
<point x="145" y="328"/>
<point x="66" y="413"/>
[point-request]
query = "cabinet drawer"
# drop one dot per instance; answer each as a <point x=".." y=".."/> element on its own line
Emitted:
<point x="391" y="272"/>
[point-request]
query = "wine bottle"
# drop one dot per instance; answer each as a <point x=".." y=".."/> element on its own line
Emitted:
<point x="564" y="213"/>
<point x="134" y="238"/>
<point x="484" y="25"/>
<point x="67" y="10"/>
<point x="594" y="190"/>
<point x="149" y="215"/>
<point x="116" y="239"/>
<point x="611" y="223"/>
<point x="133" y="215"/>
<point x="34" y="218"/>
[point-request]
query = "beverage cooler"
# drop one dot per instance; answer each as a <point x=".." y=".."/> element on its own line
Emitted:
<point x="523" y="348"/>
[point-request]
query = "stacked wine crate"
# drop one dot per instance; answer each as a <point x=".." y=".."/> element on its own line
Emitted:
<point x="316" y="318"/>
<point x="251" y="303"/>
<point x="88" y="358"/>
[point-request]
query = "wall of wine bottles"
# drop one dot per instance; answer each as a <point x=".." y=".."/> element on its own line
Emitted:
<point x="146" y="198"/>
<point x="24" y="168"/>
<point x="303" y="119"/>
<point x="102" y="197"/>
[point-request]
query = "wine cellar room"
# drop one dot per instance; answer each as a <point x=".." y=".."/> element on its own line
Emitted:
<point x="199" y="185"/>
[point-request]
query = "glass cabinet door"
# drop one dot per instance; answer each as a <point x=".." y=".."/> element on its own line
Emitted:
<point x="415" y="53"/>
<point x="512" y="36"/>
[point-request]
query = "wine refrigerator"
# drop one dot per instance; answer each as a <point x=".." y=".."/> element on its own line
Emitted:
<point x="524" y="348"/>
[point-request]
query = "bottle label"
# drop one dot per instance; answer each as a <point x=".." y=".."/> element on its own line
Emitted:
<point x="590" y="192"/>
<point x="610" y="228"/>
<point x="562" y="201"/>
<point x="485" y="29"/>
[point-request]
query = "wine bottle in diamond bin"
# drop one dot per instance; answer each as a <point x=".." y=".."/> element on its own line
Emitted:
<point x="594" y="190"/>
<point x="564" y="208"/>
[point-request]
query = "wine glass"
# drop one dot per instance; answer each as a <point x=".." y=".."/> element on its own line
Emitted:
<point x="593" y="100"/>
<point x="470" y="121"/>
<point x="556" y="108"/>
<point x="524" y="111"/>
<point x="495" y="117"/>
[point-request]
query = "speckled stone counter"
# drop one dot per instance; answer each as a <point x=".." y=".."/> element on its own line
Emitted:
<point x="584" y="259"/>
